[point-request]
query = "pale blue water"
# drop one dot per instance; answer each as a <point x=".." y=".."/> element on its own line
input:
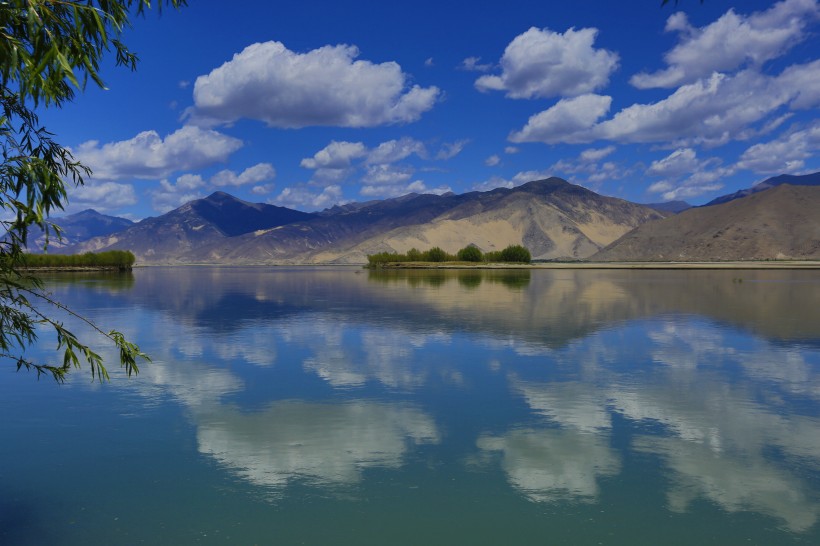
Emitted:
<point x="339" y="406"/>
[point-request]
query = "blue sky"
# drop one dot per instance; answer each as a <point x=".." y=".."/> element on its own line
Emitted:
<point x="309" y="104"/>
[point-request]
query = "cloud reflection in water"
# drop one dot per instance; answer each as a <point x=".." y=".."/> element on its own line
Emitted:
<point x="326" y="444"/>
<point x="707" y="380"/>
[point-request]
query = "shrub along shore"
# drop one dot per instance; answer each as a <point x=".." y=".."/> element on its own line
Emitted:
<point x="514" y="254"/>
<point x="111" y="260"/>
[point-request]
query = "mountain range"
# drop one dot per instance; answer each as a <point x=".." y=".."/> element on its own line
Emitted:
<point x="79" y="227"/>
<point x="163" y="239"/>
<point x="793" y="180"/>
<point x="553" y="218"/>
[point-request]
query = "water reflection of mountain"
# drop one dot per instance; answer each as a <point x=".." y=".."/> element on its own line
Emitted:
<point x="724" y="417"/>
<point x="545" y="307"/>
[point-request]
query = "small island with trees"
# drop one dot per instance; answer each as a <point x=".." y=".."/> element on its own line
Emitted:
<point x="111" y="260"/>
<point x="470" y="255"/>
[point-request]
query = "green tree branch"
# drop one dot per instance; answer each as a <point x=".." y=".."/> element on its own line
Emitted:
<point x="49" y="50"/>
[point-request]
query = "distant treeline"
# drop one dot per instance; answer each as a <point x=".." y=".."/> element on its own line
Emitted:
<point x="111" y="259"/>
<point x="511" y="254"/>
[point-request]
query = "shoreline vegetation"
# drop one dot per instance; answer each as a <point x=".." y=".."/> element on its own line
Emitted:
<point x="117" y="260"/>
<point x="468" y="256"/>
<point x="739" y="265"/>
<point x="752" y="264"/>
<point x="517" y="256"/>
<point x="112" y="260"/>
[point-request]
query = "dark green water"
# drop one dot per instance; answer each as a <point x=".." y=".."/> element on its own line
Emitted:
<point x="336" y="406"/>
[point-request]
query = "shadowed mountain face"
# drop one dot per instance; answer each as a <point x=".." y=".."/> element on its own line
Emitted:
<point x="779" y="223"/>
<point x="553" y="218"/>
<point x="670" y="206"/>
<point x="235" y="217"/>
<point x="79" y="227"/>
<point x="218" y="216"/>
<point x="804" y="180"/>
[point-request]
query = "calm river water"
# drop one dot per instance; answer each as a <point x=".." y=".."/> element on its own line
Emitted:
<point x="332" y="406"/>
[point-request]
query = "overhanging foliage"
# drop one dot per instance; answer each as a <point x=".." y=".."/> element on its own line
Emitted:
<point x="49" y="50"/>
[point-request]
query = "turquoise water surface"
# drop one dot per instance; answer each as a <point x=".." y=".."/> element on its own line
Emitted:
<point x="340" y="406"/>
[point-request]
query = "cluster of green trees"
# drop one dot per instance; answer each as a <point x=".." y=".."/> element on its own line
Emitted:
<point x="470" y="253"/>
<point x="435" y="254"/>
<point x="511" y="254"/>
<point x="111" y="259"/>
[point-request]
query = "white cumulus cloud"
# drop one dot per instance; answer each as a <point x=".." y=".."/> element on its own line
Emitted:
<point x="190" y="181"/>
<point x="564" y="120"/>
<point x="543" y="63"/>
<point x="301" y="197"/>
<point x="730" y="42"/>
<point x="685" y="175"/>
<point x="587" y="170"/>
<point x="596" y="154"/>
<point x="333" y="163"/>
<point x="708" y="112"/>
<point x="388" y="180"/>
<point x="397" y="190"/>
<point x="678" y="163"/>
<point x="148" y="155"/>
<point x="785" y="154"/>
<point x="261" y="172"/>
<point x="263" y="189"/>
<point x="387" y="174"/>
<point x="381" y="164"/>
<point x="336" y="155"/>
<point x="323" y="87"/>
<point x="474" y="64"/>
<point x="101" y="196"/>
<point x="169" y="196"/>
<point x="695" y="187"/>
<point x="803" y="81"/>
<point x="395" y="150"/>
<point x="449" y="150"/>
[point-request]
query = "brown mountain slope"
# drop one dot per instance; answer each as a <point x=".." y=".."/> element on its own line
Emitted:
<point x="551" y="217"/>
<point x="341" y="226"/>
<point x="779" y="223"/>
